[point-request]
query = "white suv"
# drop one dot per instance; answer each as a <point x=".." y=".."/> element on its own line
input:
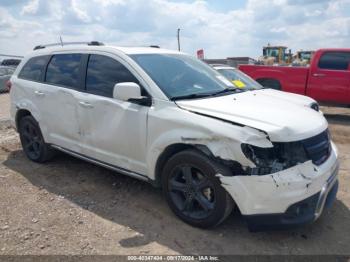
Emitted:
<point x="168" y="118"/>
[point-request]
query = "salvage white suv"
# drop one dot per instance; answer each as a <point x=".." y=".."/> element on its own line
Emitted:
<point x="168" y="118"/>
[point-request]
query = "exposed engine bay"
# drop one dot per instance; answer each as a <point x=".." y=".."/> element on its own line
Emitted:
<point x="284" y="155"/>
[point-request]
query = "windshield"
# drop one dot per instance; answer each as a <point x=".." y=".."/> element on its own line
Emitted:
<point x="239" y="79"/>
<point x="183" y="76"/>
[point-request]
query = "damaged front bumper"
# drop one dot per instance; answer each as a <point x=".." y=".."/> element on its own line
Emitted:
<point x="291" y="197"/>
<point x="300" y="213"/>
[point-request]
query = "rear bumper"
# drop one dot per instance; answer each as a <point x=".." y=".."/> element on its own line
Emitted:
<point x="299" y="213"/>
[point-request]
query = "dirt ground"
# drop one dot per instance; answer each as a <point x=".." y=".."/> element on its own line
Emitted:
<point x="72" y="207"/>
<point x="4" y="106"/>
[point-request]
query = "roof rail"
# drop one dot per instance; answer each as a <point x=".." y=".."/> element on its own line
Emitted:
<point x="154" y="46"/>
<point x="95" y="43"/>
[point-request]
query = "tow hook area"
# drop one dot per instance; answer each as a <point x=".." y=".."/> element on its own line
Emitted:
<point x="298" y="214"/>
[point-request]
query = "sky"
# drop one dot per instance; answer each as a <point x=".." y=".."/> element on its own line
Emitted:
<point x="223" y="28"/>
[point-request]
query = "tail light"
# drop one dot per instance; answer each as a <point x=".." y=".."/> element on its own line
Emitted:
<point x="8" y="85"/>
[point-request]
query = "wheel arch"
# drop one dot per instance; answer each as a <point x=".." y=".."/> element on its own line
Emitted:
<point x="273" y="82"/>
<point x="20" y="114"/>
<point x="170" y="151"/>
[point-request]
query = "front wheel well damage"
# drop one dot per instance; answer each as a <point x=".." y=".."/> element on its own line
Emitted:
<point x="234" y="166"/>
<point x="168" y="152"/>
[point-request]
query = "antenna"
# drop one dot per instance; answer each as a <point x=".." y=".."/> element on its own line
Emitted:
<point x="61" y="41"/>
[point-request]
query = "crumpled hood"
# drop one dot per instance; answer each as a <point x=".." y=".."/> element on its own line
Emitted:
<point x="284" y="116"/>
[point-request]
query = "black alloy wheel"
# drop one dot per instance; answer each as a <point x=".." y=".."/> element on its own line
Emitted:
<point x="193" y="190"/>
<point x="32" y="140"/>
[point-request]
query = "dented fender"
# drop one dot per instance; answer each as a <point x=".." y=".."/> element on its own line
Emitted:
<point x="222" y="138"/>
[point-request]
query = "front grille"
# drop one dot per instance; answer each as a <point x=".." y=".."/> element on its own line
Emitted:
<point x="318" y="148"/>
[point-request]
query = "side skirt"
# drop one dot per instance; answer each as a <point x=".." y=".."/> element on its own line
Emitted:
<point x="103" y="164"/>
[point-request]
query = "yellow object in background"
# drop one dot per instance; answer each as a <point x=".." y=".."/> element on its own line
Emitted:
<point x="238" y="83"/>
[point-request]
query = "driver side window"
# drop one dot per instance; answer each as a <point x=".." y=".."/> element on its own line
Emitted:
<point x="103" y="73"/>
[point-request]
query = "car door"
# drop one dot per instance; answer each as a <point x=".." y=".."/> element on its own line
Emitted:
<point x="59" y="92"/>
<point x="329" y="80"/>
<point x="113" y="131"/>
<point x="30" y="82"/>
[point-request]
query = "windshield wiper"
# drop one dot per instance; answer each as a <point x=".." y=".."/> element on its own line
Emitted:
<point x="226" y="90"/>
<point x="201" y="95"/>
<point x="191" y="96"/>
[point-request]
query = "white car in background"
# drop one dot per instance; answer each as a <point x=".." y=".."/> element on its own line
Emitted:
<point x="165" y="117"/>
<point x="237" y="77"/>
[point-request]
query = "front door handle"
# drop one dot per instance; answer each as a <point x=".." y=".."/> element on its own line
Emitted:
<point x="318" y="75"/>
<point x="39" y="93"/>
<point x="85" y="104"/>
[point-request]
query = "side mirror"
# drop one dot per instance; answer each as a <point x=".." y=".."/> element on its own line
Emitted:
<point x="131" y="92"/>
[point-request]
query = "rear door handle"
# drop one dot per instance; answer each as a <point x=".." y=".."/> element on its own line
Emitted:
<point x="39" y="93"/>
<point x="318" y="75"/>
<point x="85" y="104"/>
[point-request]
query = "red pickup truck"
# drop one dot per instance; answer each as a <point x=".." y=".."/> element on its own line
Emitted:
<point x="327" y="79"/>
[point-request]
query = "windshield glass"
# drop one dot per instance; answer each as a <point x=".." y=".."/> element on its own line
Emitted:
<point x="179" y="75"/>
<point x="239" y="79"/>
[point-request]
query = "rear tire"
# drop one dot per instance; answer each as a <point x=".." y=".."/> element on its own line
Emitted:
<point x="33" y="142"/>
<point x="193" y="191"/>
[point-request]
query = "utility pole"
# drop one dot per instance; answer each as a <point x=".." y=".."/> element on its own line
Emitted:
<point x="178" y="39"/>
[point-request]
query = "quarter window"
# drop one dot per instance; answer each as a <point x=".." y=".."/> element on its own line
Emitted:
<point x="34" y="68"/>
<point x="334" y="61"/>
<point x="64" y="70"/>
<point x="103" y="73"/>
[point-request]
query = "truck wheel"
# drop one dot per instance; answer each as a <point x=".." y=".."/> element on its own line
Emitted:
<point x="33" y="142"/>
<point x="193" y="191"/>
<point x="270" y="83"/>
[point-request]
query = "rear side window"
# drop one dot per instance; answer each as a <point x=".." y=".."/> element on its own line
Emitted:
<point x="34" y="68"/>
<point x="334" y="61"/>
<point x="103" y="73"/>
<point x="63" y="70"/>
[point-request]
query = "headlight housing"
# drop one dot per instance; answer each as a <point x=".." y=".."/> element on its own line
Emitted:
<point x="274" y="159"/>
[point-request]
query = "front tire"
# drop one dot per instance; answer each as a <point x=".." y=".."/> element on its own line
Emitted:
<point x="193" y="191"/>
<point x="33" y="142"/>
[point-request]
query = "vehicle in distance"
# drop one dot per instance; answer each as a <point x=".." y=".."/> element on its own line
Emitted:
<point x="327" y="79"/>
<point x="168" y="118"/>
<point x="10" y="62"/>
<point x="5" y="75"/>
<point x="238" y="78"/>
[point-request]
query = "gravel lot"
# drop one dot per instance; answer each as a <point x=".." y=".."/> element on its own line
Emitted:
<point x="72" y="207"/>
<point x="4" y="106"/>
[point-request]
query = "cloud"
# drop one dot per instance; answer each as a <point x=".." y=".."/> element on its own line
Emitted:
<point x="31" y="8"/>
<point x="242" y="32"/>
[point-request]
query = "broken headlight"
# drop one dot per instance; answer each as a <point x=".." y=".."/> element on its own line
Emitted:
<point x="274" y="159"/>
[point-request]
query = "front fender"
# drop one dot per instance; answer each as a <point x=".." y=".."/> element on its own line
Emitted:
<point x="223" y="139"/>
